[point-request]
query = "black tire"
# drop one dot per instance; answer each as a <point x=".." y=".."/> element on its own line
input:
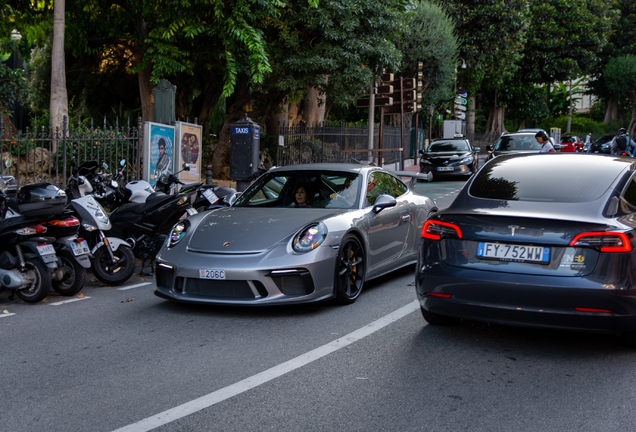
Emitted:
<point x="119" y="272"/>
<point x="350" y="270"/>
<point x="40" y="281"/>
<point x="435" y="319"/>
<point x="75" y="275"/>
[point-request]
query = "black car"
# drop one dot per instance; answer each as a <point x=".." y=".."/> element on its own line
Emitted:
<point x="546" y="240"/>
<point x="603" y="145"/>
<point x="514" y="143"/>
<point x="452" y="157"/>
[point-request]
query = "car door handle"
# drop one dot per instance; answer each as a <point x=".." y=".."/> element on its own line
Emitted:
<point x="405" y="217"/>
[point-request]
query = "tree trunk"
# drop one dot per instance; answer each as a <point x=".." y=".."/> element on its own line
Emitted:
<point x="278" y="116"/>
<point x="295" y="113"/>
<point x="314" y="107"/>
<point x="59" y="97"/>
<point x="470" y="119"/>
<point x="631" y="129"/>
<point x="495" y="126"/>
<point x="143" y="76"/>
<point x="611" y="110"/>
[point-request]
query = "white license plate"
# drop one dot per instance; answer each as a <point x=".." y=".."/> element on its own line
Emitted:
<point x="444" y="168"/>
<point x="210" y="196"/>
<point x="47" y="252"/>
<point x="80" y="248"/>
<point x="191" y="211"/>
<point x="512" y="252"/>
<point x="211" y="274"/>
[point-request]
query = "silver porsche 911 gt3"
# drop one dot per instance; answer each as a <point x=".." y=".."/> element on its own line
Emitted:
<point x="298" y="234"/>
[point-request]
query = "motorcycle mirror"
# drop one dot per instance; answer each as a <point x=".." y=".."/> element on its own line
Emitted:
<point x="104" y="166"/>
<point x="7" y="162"/>
<point x="122" y="162"/>
<point x="73" y="162"/>
<point x="185" y="167"/>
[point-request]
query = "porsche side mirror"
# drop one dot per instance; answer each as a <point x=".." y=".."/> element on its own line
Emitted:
<point x="382" y="202"/>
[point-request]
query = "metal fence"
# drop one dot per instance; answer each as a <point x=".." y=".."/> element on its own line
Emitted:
<point x="44" y="155"/>
<point x="337" y="142"/>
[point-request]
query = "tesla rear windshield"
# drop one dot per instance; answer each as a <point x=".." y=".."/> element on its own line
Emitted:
<point x="448" y="146"/>
<point x="546" y="178"/>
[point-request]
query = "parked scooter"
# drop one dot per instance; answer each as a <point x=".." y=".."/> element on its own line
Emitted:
<point x="113" y="260"/>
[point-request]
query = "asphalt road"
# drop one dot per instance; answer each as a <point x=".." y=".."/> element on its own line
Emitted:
<point x="125" y="359"/>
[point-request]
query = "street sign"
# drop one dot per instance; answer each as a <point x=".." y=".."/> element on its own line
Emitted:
<point x="409" y="95"/>
<point x="460" y="101"/>
<point x="384" y="89"/>
<point x="460" y="115"/>
<point x="387" y="77"/>
<point x="460" y="107"/>
<point x="379" y="101"/>
<point x="409" y="84"/>
<point x="409" y="107"/>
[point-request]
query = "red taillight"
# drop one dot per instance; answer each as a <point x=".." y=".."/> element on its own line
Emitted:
<point x="606" y="241"/>
<point x="434" y="230"/>
<point x="438" y="295"/>
<point x="65" y="222"/>
<point x="581" y="309"/>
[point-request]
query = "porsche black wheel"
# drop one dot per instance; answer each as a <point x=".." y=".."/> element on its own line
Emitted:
<point x="434" y="319"/>
<point x="350" y="270"/>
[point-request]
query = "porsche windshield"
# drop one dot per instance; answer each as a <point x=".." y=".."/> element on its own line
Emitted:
<point x="303" y="189"/>
<point x="518" y="142"/>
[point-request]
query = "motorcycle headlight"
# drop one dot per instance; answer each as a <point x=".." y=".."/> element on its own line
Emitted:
<point x="100" y="215"/>
<point x="177" y="233"/>
<point x="466" y="160"/>
<point x="310" y="238"/>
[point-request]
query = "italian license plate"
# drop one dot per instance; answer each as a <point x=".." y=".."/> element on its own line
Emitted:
<point x="47" y="252"/>
<point x="210" y="196"/>
<point x="211" y="274"/>
<point x="512" y="252"/>
<point x="444" y="168"/>
<point x="80" y="248"/>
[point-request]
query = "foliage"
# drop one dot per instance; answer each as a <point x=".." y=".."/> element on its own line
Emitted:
<point x="13" y="86"/>
<point x="430" y="38"/>
<point x="492" y="35"/>
<point x="580" y="125"/>
<point x="524" y="102"/>
<point x="620" y="76"/>
<point x="561" y="94"/>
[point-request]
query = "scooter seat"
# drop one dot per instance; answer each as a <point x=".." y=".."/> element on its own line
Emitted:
<point x="141" y="208"/>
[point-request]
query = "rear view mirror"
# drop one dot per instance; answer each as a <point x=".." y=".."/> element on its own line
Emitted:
<point x="7" y="162"/>
<point x="186" y="167"/>
<point x="122" y="162"/>
<point x="104" y="166"/>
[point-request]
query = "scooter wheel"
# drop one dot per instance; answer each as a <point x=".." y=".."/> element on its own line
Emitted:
<point x="113" y="273"/>
<point x="74" y="276"/>
<point x="38" y="276"/>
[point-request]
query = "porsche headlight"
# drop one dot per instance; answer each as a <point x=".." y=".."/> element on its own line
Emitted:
<point x="177" y="233"/>
<point x="310" y="238"/>
<point x="467" y="160"/>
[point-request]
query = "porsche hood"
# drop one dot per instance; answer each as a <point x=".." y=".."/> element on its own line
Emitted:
<point x="240" y="230"/>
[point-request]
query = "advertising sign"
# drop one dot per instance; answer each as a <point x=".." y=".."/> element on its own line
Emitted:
<point x="158" y="151"/>
<point x="188" y="150"/>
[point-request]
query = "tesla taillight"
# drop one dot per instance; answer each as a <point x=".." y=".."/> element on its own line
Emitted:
<point x="582" y="309"/>
<point x="434" y="294"/>
<point x="605" y="241"/>
<point x="435" y="230"/>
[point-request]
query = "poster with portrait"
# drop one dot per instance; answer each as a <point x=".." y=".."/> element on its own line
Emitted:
<point x="188" y="151"/>
<point x="158" y="151"/>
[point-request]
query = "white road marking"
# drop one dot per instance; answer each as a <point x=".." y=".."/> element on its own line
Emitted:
<point x="6" y="315"/>
<point x="134" y="286"/>
<point x="68" y="301"/>
<point x="261" y="378"/>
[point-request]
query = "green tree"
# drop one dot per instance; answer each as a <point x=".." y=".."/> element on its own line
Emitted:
<point x="430" y="38"/>
<point x="620" y="79"/>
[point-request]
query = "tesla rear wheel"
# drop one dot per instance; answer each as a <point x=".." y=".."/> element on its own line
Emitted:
<point x="38" y="276"/>
<point x="74" y="275"/>
<point x="350" y="270"/>
<point x="435" y="319"/>
<point x="115" y="273"/>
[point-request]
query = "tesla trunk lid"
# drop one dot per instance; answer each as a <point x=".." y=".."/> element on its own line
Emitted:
<point x="519" y="245"/>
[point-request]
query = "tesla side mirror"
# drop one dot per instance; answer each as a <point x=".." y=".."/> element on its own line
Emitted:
<point x="382" y="202"/>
